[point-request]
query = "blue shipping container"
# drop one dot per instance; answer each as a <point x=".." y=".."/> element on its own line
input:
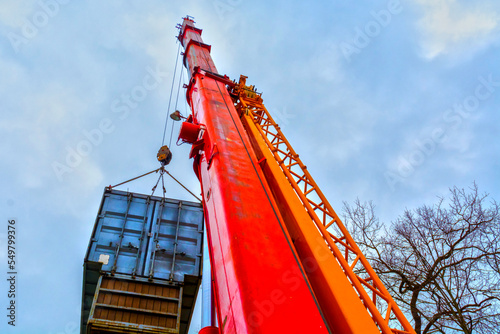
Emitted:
<point x="142" y="237"/>
<point x="138" y="235"/>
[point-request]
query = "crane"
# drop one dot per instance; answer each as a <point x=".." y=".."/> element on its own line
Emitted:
<point x="282" y="261"/>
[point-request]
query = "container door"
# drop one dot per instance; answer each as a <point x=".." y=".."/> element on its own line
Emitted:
<point x="121" y="233"/>
<point x="175" y="245"/>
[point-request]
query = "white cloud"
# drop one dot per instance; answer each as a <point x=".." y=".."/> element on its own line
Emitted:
<point x="15" y="13"/>
<point x="453" y="26"/>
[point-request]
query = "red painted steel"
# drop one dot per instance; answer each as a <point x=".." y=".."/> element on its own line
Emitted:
<point x="209" y="330"/>
<point x="189" y="132"/>
<point x="259" y="282"/>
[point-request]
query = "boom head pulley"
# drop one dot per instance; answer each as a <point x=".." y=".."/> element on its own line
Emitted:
<point x="164" y="155"/>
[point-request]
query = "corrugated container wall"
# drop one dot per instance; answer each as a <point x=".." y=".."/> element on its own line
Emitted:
<point x="143" y="265"/>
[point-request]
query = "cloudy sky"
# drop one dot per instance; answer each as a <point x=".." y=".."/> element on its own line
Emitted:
<point x="388" y="101"/>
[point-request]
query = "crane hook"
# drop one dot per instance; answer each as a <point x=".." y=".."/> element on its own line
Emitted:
<point x="164" y="155"/>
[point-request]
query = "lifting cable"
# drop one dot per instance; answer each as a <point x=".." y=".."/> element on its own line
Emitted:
<point x="189" y="191"/>
<point x="135" y="178"/>
<point x="176" y="102"/>
<point x="162" y="171"/>
<point x="170" y="98"/>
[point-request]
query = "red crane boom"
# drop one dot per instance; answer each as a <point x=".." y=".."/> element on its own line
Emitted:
<point x="260" y="284"/>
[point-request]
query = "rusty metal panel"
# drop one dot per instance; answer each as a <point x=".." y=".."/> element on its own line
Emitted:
<point x="124" y="305"/>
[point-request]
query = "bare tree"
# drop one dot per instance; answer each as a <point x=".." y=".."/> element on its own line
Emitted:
<point x="441" y="262"/>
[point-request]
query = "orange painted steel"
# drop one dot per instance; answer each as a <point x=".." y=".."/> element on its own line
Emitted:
<point x="269" y="139"/>
<point x="342" y="307"/>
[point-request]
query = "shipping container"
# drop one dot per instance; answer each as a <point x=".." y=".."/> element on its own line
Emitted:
<point x="142" y="269"/>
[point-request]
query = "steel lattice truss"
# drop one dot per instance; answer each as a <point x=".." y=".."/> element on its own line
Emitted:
<point x="379" y="303"/>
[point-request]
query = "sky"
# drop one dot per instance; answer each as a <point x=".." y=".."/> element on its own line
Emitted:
<point x="390" y="101"/>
